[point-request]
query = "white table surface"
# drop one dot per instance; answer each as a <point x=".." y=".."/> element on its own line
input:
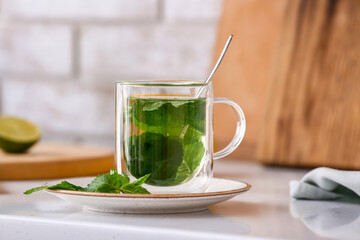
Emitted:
<point x="264" y="212"/>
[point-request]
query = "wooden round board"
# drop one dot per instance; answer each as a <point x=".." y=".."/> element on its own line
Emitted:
<point x="45" y="161"/>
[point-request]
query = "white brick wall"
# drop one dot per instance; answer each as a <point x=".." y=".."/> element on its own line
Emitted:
<point x="60" y="58"/>
<point x="146" y="52"/>
<point x="35" y="49"/>
<point x="63" y="107"/>
<point x="81" y="9"/>
<point x="193" y="10"/>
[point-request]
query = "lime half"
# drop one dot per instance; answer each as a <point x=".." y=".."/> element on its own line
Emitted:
<point x="17" y="135"/>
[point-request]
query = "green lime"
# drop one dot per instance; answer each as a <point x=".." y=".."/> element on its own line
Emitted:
<point x="17" y="135"/>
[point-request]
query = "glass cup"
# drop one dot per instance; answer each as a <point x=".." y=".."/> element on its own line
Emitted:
<point x="165" y="129"/>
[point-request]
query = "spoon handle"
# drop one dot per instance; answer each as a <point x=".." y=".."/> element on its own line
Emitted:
<point x="216" y="65"/>
<point x="220" y="59"/>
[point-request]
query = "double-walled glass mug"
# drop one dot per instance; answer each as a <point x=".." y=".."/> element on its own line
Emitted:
<point x="165" y="129"/>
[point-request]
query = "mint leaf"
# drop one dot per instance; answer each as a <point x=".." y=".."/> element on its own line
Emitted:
<point x="170" y="146"/>
<point x="125" y="178"/>
<point x="156" y="154"/>
<point x="182" y="174"/>
<point x="169" y="162"/>
<point x="151" y="106"/>
<point x="102" y="183"/>
<point x="135" y="187"/>
<point x="35" y="189"/>
<point x="140" y="181"/>
<point x="108" y="183"/>
<point x="64" y="185"/>
<point x="167" y="116"/>
<point x="179" y="103"/>
<point x="119" y="179"/>
<point x="193" y="154"/>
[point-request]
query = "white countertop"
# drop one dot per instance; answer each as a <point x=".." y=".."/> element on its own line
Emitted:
<point x="264" y="212"/>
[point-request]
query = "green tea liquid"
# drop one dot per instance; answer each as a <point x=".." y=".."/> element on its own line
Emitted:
<point x="166" y="138"/>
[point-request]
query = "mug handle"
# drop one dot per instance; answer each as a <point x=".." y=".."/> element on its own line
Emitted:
<point x="240" y="128"/>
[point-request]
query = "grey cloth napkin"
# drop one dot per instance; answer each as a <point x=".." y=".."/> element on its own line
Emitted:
<point x="327" y="184"/>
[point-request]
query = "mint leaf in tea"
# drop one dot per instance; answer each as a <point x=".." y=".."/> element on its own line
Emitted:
<point x="165" y="138"/>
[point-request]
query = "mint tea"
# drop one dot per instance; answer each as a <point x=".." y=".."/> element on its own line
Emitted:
<point x="164" y="137"/>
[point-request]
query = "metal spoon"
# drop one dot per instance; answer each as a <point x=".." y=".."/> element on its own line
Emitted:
<point x="216" y="65"/>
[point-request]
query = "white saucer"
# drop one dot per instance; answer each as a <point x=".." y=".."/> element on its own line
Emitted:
<point x="220" y="190"/>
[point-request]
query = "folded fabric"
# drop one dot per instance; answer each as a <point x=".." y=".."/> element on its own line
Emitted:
<point x="327" y="184"/>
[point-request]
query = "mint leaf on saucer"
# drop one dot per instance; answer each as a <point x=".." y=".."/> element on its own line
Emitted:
<point x="128" y="188"/>
<point x="64" y="185"/>
<point x="102" y="183"/>
<point x="112" y="182"/>
<point x="135" y="187"/>
<point x="35" y="189"/>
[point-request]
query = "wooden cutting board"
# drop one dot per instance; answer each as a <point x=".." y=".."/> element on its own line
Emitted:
<point x="244" y="75"/>
<point x="313" y="110"/>
<point x="45" y="161"/>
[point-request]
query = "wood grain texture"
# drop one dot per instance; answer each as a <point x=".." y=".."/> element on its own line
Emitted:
<point x="313" y="111"/>
<point x="245" y="72"/>
<point x="45" y="161"/>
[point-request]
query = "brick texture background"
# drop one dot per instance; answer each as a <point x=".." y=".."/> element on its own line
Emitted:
<point x="59" y="59"/>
